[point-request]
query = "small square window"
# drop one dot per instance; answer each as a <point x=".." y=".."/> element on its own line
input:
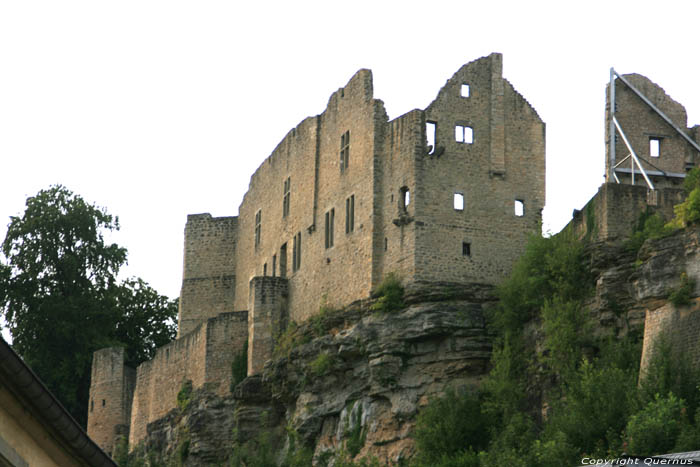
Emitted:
<point x="519" y="207"/>
<point x="464" y="134"/>
<point x="466" y="249"/>
<point x="655" y="147"/>
<point x="458" y="202"/>
<point x="464" y="90"/>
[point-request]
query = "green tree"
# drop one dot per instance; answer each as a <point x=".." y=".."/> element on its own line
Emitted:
<point x="60" y="298"/>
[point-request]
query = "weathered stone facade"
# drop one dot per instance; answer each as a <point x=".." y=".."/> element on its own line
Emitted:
<point x="445" y="195"/>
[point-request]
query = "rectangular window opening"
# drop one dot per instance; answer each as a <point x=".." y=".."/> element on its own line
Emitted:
<point x="296" y="252"/>
<point x="655" y="147"/>
<point x="258" y="223"/>
<point x="458" y="202"/>
<point x="265" y="269"/>
<point x="430" y="134"/>
<point x="464" y="90"/>
<point x="330" y="217"/>
<point x="283" y="260"/>
<point x="344" y="151"/>
<point x="274" y="265"/>
<point x="466" y="249"/>
<point x="519" y="207"/>
<point x="404" y="198"/>
<point x="464" y="134"/>
<point x="350" y="214"/>
<point x="285" y="200"/>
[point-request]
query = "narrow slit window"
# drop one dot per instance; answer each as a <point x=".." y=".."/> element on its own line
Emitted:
<point x="274" y="265"/>
<point x="655" y="147"/>
<point x="430" y="134"/>
<point x="330" y="218"/>
<point x="258" y="223"/>
<point x="344" y="151"/>
<point x="466" y="249"/>
<point x="519" y="207"/>
<point x="350" y="214"/>
<point x="386" y="243"/>
<point x="296" y="253"/>
<point x="265" y="269"/>
<point x="103" y="402"/>
<point x="285" y="200"/>
<point x="283" y="260"/>
<point x="464" y="134"/>
<point x="464" y="90"/>
<point x="458" y="202"/>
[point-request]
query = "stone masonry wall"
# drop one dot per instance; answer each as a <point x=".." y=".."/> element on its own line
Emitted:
<point x="202" y="356"/>
<point x="614" y="211"/>
<point x="111" y="391"/>
<point x="268" y="318"/>
<point x="208" y="279"/>
<point x="309" y="158"/>
<point x="640" y="123"/>
<point x="504" y="162"/>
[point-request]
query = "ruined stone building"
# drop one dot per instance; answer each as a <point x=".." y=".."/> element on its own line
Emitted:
<point x="448" y="194"/>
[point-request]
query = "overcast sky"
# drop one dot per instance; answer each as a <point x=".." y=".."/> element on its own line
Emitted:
<point x="157" y="109"/>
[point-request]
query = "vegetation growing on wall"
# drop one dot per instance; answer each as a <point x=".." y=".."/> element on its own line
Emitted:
<point x="239" y="366"/>
<point x="389" y="294"/>
<point x="555" y="393"/>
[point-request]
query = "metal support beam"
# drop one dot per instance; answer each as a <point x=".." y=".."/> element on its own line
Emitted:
<point x="655" y="109"/>
<point x="635" y="159"/>
<point x="611" y="130"/>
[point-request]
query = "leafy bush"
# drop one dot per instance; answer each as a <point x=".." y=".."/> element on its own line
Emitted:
<point x="655" y="429"/>
<point x="389" y="294"/>
<point x="564" y="325"/>
<point x="321" y="364"/>
<point x="448" y="426"/>
<point x="681" y="295"/>
<point x="649" y="226"/>
<point x="688" y="212"/>
<point x="184" y="395"/>
<point x="239" y="366"/>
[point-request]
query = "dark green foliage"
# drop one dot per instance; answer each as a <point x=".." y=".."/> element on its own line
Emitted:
<point x="688" y="212"/>
<point x="60" y="298"/>
<point x="183" y="451"/>
<point x="681" y="295"/>
<point x="239" y="366"/>
<point x="321" y="365"/>
<point x="449" y="426"/>
<point x="649" y="226"/>
<point x="656" y="428"/>
<point x="184" y="395"/>
<point x="389" y="294"/>
<point x="564" y="325"/>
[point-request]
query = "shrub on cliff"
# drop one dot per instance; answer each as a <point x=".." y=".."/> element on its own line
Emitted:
<point x="389" y="294"/>
<point x="688" y="212"/>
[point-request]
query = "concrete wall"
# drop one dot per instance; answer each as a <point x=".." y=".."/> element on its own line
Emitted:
<point x="111" y="392"/>
<point x="208" y="279"/>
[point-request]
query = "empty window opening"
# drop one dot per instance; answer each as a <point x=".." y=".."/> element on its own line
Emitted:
<point x="519" y="207"/>
<point x="464" y="90"/>
<point x="285" y="200"/>
<point x="404" y="198"/>
<point x="283" y="260"/>
<point x="655" y="147"/>
<point x="464" y="134"/>
<point x="350" y="214"/>
<point x="386" y="243"/>
<point x="103" y="402"/>
<point x="458" y="202"/>
<point x="430" y="134"/>
<point x="344" y="151"/>
<point x="258" y="222"/>
<point x="265" y="269"/>
<point x="296" y="252"/>
<point x="274" y="265"/>
<point x="330" y="218"/>
<point x="466" y="249"/>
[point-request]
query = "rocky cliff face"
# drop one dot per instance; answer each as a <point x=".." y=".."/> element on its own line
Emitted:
<point x="352" y="381"/>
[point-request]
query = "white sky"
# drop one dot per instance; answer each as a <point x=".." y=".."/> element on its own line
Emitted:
<point x="157" y="109"/>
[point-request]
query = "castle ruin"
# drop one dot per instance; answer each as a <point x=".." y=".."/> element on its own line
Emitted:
<point x="444" y="195"/>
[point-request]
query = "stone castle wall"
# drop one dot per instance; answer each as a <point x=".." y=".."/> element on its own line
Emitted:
<point x="208" y="278"/>
<point x="111" y="391"/>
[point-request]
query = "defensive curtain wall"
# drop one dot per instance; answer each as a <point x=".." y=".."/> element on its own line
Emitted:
<point x="654" y="127"/>
<point x="448" y="194"/>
